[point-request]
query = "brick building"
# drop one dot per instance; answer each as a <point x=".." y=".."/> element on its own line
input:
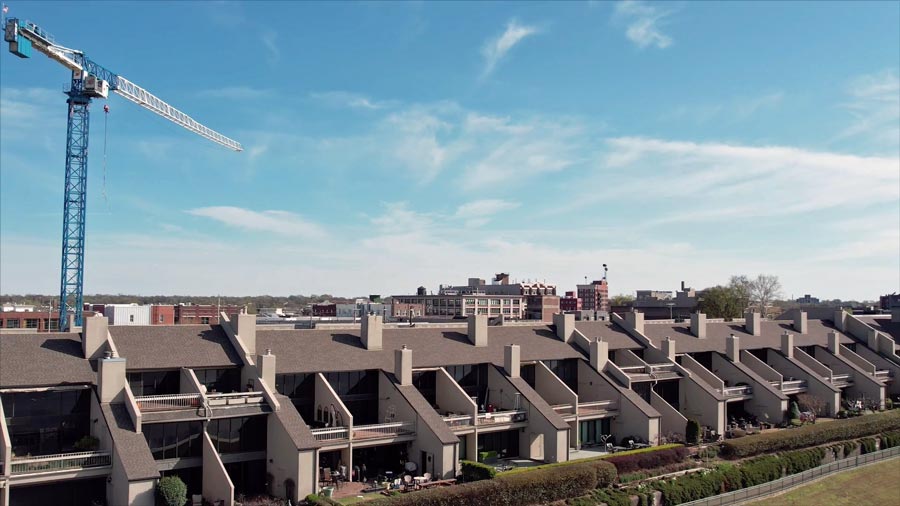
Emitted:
<point x="205" y="314"/>
<point x="162" y="315"/>
<point x="594" y="296"/>
<point x="570" y="302"/>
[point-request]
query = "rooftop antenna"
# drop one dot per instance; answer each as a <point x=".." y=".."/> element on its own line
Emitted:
<point x="605" y="269"/>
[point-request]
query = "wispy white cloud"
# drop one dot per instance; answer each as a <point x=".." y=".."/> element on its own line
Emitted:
<point x="875" y="107"/>
<point x="278" y="222"/>
<point x="728" y="111"/>
<point x="348" y="99"/>
<point x="496" y="48"/>
<point x="479" y="212"/>
<point x="269" y="39"/>
<point x="645" y="23"/>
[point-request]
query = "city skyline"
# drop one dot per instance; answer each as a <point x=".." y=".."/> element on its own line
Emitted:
<point x="395" y="145"/>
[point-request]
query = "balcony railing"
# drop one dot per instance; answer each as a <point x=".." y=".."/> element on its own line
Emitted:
<point x="235" y="399"/>
<point x="331" y="434"/>
<point x="564" y="409"/>
<point x="380" y="430"/>
<point x="737" y="391"/>
<point x="791" y="385"/>
<point x="593" y="407"/>
<point x="841" y="379"/>
<point x="168" y="402"/>
<point x="59" y="462"/>
<point x="458" y="420"/>
<point x="633" y="369"/>
<point x="511" y="416"/>
<point x="883" y="375"/>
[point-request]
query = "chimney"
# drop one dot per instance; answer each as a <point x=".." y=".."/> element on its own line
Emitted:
<point x="800" y="322"/>
<point x="698" y="325"/>
<point x="403" y="365"/>
<point x="244" y="326"/>
<point x="599" y="354"/>
<point x="478" y="329"/>
<point x="895" y="314"/>
<point x="94" y="335"/>
<point x="370" y="331"/>
<point x="635" y="321"/>
<point x="111" y="378"/>
<point x="733" y="348"/>
<point x="668" y="348"/>
<point x="565" y="326"/>
<point x="512" y="360"/>
<point x="753" y="323"/>
<point x="787" y="344"/>
<point x="265" y="365"/>
<point x="834" y="343"/>
<point x="840" y="319"/>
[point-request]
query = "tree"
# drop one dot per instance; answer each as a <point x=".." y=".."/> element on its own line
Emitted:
<point x="765" y="289"/>
<point x="621" y="300"/>
<point x="720" y="302"/>
<point x="172" y="491"/>
<point x="743" y="289"/>
<point x="692" y="432"/>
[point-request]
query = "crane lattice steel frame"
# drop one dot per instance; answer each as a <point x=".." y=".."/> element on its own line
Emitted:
<point x="89" y="80"/>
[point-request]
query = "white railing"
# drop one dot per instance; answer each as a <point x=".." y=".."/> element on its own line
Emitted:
<point x="168" y="402"/>
<point x="737" y="391"/>
<point x="586" y="408"/>
<point x="883" y="374"/>
<point x="237" y="398"/>
<point x="380" y="430"/>
<point x="792" y="384"/>
<point x="59" y="462"/>
<point x="564" y="409"/>
<point x="331" y="433"/>
<point x="458" y="420"/>
<point x="511" y="416"/>
<point x="638" y="369"/>
<point x="841" y="379"/>
<point x="656" y="368"/>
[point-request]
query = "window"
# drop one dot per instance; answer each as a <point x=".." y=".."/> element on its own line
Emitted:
<point x="154" y="382"/>
<point x="161" y="319"/>
<point x="131" y="318"/>
<point x="204" y="320"/>
<point x="219" y="380"/>
<point x="237" y="435"/>
<point x="174" y="440"/>
<point x="301" y="389"/>
<point x="12" y="323"/>
<point x="31" y="323"/>
<point x="44" y="423"/>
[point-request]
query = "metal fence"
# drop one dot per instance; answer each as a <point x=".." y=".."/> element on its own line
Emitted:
<point x="59" y="462"/>
<point x="794" y="480"/>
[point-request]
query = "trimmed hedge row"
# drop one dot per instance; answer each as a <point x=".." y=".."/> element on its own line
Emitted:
<point x="538" y="487"/>
<point x="649" y="449"/>
<point x="812" y="435"/>
<point x="651" y="460"/>
<point x="476" y="471"/>
<point x="731" y="477"/>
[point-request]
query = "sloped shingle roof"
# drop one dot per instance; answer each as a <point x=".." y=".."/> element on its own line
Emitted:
<point x="31" y="360"/>
<point x="174" y="346"/>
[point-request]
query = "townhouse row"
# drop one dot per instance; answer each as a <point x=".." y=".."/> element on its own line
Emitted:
<point x="98" y="415"/>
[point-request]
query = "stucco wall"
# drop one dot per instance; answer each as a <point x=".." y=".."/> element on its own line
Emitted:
<point x="217" y="484"/>
<point x="863" y="384"/>
<point x="697" y="403"/>
<point x="816" y="386"/>
<point x="283" y="460"/>
<point x="766" y="404"/>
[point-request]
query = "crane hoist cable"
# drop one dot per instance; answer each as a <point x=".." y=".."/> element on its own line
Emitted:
<point x="105" y="136"/>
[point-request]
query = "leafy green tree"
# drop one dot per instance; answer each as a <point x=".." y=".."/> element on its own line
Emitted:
<point x="721" y="302"/>
<point x="621" y="300"/>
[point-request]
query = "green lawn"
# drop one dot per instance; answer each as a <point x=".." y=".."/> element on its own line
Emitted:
<point x="875" y="484"/>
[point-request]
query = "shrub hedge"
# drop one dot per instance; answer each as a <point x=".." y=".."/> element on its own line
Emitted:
<point x="476" y="471"/>
<point x="867" y="445"/>
<point x="890" y="440"/>
<point x="812" y="435"/>
<point x="518" y="489"/>
<point x="172" y="491"/>
<point x="649" y="460"/>
<point x="729" y="477"/>
<point x="320" y="500"/>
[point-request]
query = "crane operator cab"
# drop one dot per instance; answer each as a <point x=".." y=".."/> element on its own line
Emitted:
<point x="96" y="87"/>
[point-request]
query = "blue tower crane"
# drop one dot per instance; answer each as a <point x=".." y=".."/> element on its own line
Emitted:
<point x="89" y="80"/>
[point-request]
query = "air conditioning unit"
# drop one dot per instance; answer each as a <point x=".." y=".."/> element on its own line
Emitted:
<point x="96" y="87"/>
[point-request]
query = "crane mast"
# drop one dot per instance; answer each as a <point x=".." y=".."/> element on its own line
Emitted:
<point x="89" y="80"/>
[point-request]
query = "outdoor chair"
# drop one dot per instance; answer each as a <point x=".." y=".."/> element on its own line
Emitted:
<point x="427" y="476"/>
<point x="407" y="481"/>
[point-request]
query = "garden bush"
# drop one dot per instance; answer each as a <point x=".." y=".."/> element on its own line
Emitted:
<point x="537" y="487"/>
<point x="172" y="491"/>
<point x="476" y="471"/>
<point x="812" y="435"/>
<point x="648" y="460"/>
<point x="890" y="440"/>
<point x="867" y="445"/>
<point x="692" y="432"/>
<point x="320" y="500"/>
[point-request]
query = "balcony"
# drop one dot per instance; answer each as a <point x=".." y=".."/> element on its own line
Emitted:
<point x="331" y="434"/>
<point x="59" y="462"/>
<point x="150" y="403"/>
<point x="383" y="430"/>
<point x="841" y="380"/>
<point x="564" y="410"/>
<point x="883" y="375"/>
<point x="740" y="391"/>
<point x="592" y="408"/>
<point x="663" y="371"/>
<point x="791" y="386"/>
<point x="458" y="421"/>
<point x="235" y="399"/>
<point x="498" y="417"/>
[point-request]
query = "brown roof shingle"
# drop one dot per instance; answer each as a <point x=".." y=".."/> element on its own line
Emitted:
<point x="31" y="360"/>
<point x="718" y="332"/>
<point x="341" y="350"/>
<point x="174" y="346"/>
<point x="617" y="337"/>
<point x="131" y="446"/>
<point x="883" y="324"/>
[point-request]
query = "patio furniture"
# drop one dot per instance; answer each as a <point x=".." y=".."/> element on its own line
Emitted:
<point x="196" y="500"/>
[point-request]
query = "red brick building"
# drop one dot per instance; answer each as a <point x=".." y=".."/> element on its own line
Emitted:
<point x="162" y="315"/>
<point x="541" y="307"/>
<point x="595" y="296"/>
<point x="570" y="302"/>
<point x="36" y="321"/>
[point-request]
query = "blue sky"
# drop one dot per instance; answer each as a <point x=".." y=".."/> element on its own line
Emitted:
<point x="394" y="145"/>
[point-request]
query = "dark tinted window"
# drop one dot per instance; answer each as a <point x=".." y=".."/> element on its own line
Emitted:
<point x="155" y="382"/>
<point x="234" y="435"/>
<point x="174" y="440"/>
<point x="43" y="423"/>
